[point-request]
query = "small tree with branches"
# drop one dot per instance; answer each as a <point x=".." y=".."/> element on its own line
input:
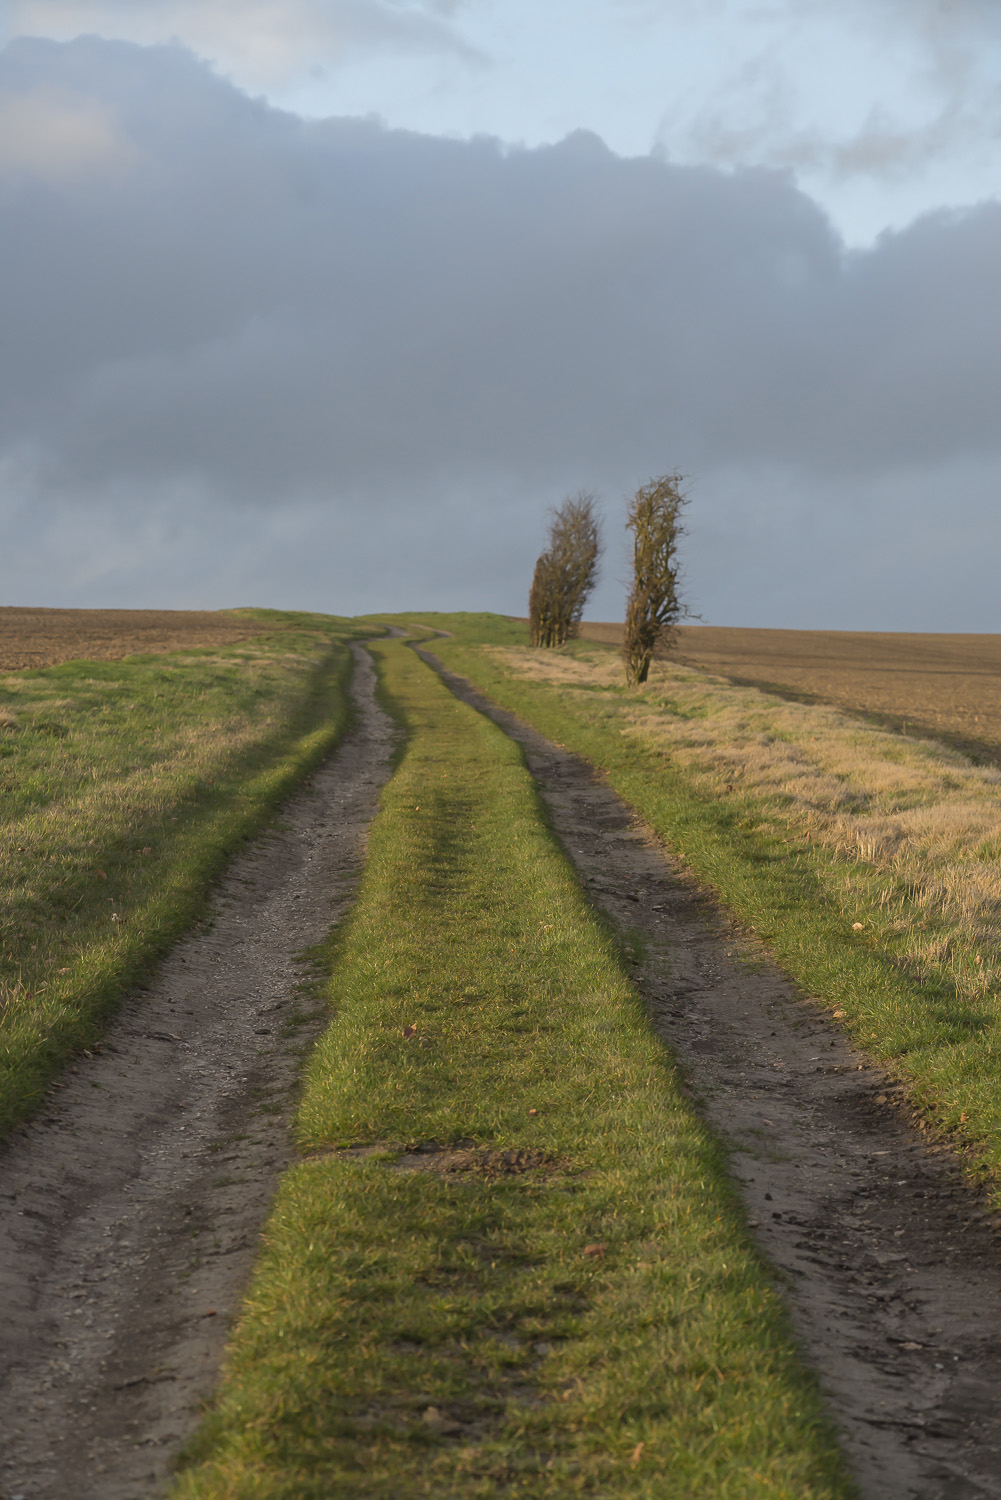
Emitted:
<point x="654" y="607"/>
<point x="566" y="572"/>
<point x="541" y="623"/>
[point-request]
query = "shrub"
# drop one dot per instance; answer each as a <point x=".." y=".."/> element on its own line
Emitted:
<point x="566" y="572"/>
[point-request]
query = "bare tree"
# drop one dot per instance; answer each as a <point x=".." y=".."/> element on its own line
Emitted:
<point x="566" y="572"/>
<point x="654" y="607"/>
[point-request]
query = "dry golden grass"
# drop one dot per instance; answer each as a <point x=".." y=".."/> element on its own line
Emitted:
<point x="943" y="685"/>
<point x="915" y="827"/>
<point x="45" y="637"/>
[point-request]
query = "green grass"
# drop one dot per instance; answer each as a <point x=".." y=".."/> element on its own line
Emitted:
<point x="124" y="786"/>
<point x="918" y="1016"/>
<point x="576" y="1308"/>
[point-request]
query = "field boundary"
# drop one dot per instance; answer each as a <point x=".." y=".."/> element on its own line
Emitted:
<point x="971" y="662"/>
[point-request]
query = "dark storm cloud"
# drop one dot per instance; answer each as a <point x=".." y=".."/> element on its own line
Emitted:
<point x="215" y="315"/>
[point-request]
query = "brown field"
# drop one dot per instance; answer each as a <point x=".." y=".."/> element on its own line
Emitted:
<point x="44" y="637"/>
<point x="948" y="686"/>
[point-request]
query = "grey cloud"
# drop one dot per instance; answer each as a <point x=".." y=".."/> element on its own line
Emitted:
<point x="884" y="147"/>
<point x="348" y="366"/>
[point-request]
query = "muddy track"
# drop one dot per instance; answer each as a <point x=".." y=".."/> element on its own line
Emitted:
<point x="889" y="1262"/>
<point x="131" y="1206"/>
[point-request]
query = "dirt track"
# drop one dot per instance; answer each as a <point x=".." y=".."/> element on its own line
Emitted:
<point x="44" y="637"/>
<point x="131" y="1205"/>
<point x="890" y="1262"/>
<point x="948" y="686"/>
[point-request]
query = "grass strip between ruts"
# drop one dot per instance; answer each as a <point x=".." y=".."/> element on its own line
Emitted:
<point x="800" y="902"/>
<point x="124" y="787"/>
<point x="510" y="1263"/>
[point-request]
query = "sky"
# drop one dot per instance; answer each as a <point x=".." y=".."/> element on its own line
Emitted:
<point x="325" y="303"/>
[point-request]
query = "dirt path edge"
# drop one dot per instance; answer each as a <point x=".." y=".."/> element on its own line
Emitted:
<point x="888" y="1260"/>
<point x="131" y="1206"/>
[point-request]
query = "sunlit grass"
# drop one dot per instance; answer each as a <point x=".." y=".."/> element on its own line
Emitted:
<point x="123" y="787"/>
<point x="867" y="860"/>
<point x="510" y="1263"/>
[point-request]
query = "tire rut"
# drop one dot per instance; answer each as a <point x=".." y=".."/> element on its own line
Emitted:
<point x="131" y="1205"/>
<point x="889" y="1261"/>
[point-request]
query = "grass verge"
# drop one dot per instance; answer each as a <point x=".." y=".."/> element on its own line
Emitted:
<point x="124" y="786"/>
<point x="510" y="1263"/>
<point x="865" y="861"/>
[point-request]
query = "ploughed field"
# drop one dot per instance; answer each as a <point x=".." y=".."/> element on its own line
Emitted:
<point x="945" y="685"/>
<point x="45" y="637"/>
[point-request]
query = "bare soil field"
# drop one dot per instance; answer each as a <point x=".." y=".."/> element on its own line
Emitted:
<point x="45" y="637"/>
<point x="948" y="686"/>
